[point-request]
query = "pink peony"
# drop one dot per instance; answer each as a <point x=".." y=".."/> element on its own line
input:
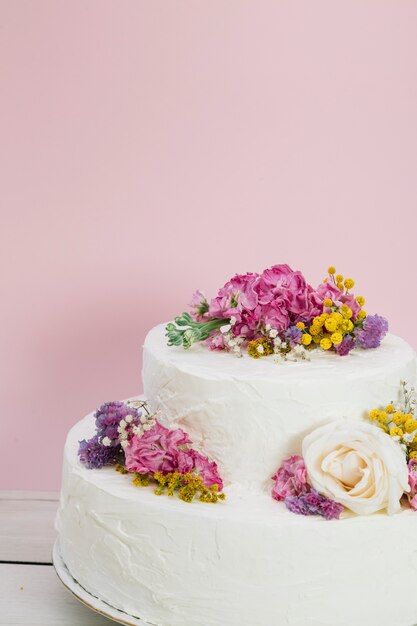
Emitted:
<point x="207" y="470"/>
<point x="238" y="294"/>
<point x="290" y="479"/>
<point x="157" y="450"/>
<point x="412" y="481"/>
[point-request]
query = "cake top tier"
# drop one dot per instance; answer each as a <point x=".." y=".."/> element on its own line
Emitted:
<point x="278" y="312"/>
<point x="322" y="365"/>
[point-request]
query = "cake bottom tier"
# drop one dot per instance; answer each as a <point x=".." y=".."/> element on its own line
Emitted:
<point x="243" y="562"/>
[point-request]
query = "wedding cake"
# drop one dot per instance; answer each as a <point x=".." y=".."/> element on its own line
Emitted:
<point x="277" y="428"/>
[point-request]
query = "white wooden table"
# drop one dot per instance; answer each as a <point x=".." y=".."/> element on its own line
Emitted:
<point x="30" y="591"/>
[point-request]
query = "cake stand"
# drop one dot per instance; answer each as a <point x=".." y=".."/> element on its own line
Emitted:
<point x="93" y="603"/>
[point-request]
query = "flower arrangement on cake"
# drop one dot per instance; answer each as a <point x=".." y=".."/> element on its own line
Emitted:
<point x="354" y="465"/>
<point x="278" y="312"/>
<point x="133" y="440"/>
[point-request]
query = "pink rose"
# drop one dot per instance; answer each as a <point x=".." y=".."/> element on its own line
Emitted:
<point x="207" y="470"/>
<point x="156" y="450"/>
<point x="290" y="479"/>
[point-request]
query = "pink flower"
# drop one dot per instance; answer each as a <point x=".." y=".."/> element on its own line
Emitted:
<point x="198" y="306"/>
<point x="290" y="479"/>
<point x="207" y="470"/>
<point x="185" y="461"/>
<point x="281" y="282"/>
<point x="157" y="450"/>
<point x="216" y="342"/>
<point x="351" y="303"/>
<point x="412" y="481"/>
<point x="276" y="314"/>
<point x="329" y="290"/>
<point x="237" y="295"/>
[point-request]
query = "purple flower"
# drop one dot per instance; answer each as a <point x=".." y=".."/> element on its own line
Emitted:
<point x="94" y="455"/>
<point x="312" y="503"/>
<point x="347" y="344"/>
<point x="156" y="450"/>
<point x="290" y="479"/>
<point x="373" y="330"/>
<point x="412" y="481"/>
<point x="108" y="418"/>
<point x="293" y="335"/>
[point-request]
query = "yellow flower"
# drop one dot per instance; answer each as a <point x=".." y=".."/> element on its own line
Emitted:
<point x="317" y="338"/>
<point x="360" y="300"/>
<point x="349" y="326"/>
<point x="395" y="431"/>
<point x="325" y="343"/>
<point x="317" y="321"/>
<point x="346" y="311"/>
<point x="382" y="417"/>
<point x="361" y="314"/>
<point x="306" y="339"/>
<point x="398" y="418"/>
<point x="383" y="427"/>
<point x="349" y="283"/>
<point x="340" y="286"/>
<point x="339" y="278"/>
<point x="259" y="347"/>
<point x="413" y="454"/>
<point x="332" y="270"/>
<point x="390" y="409"/>
<point x="327" y="302"/>
<point x="336" y="316"/>
<point x="374" y="414"/>
<point x="314" y="330"/>
<point x="410" y="425"/>
<point x="300" y="325"/>
<point x="331" y="324"/>
<point x="336" y="338"/>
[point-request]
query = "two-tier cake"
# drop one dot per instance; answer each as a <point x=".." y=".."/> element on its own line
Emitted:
<point x="283" y="446"/>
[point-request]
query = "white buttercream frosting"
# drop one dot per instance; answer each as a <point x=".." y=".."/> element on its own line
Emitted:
<point x="248" y="414"/>
<point x="245" y="562"/>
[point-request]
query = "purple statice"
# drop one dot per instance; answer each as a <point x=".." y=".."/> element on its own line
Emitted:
<point x="94" y="455"/>
<point x="372" y="331"/>
<point x="347" y="344"/>
<point x="312" y="503"/>
<point x="108" y="418"/>
<point x="293" y="335"/>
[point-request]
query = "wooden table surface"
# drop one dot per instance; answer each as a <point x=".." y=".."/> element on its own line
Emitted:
<point x="30" y="591"/>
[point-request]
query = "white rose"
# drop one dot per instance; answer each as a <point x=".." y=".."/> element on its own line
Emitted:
<point x="357" y="465"/>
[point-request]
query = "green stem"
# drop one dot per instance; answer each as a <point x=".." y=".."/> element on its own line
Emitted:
<point x="185" y="331"/>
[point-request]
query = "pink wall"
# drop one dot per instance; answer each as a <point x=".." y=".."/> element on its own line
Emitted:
<point x="150" y="148"/>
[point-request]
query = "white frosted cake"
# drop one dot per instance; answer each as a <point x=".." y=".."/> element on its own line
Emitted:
<point x="306" y="429"/>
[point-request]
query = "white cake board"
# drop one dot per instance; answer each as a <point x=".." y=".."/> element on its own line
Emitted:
<point x="93" y="603"/>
